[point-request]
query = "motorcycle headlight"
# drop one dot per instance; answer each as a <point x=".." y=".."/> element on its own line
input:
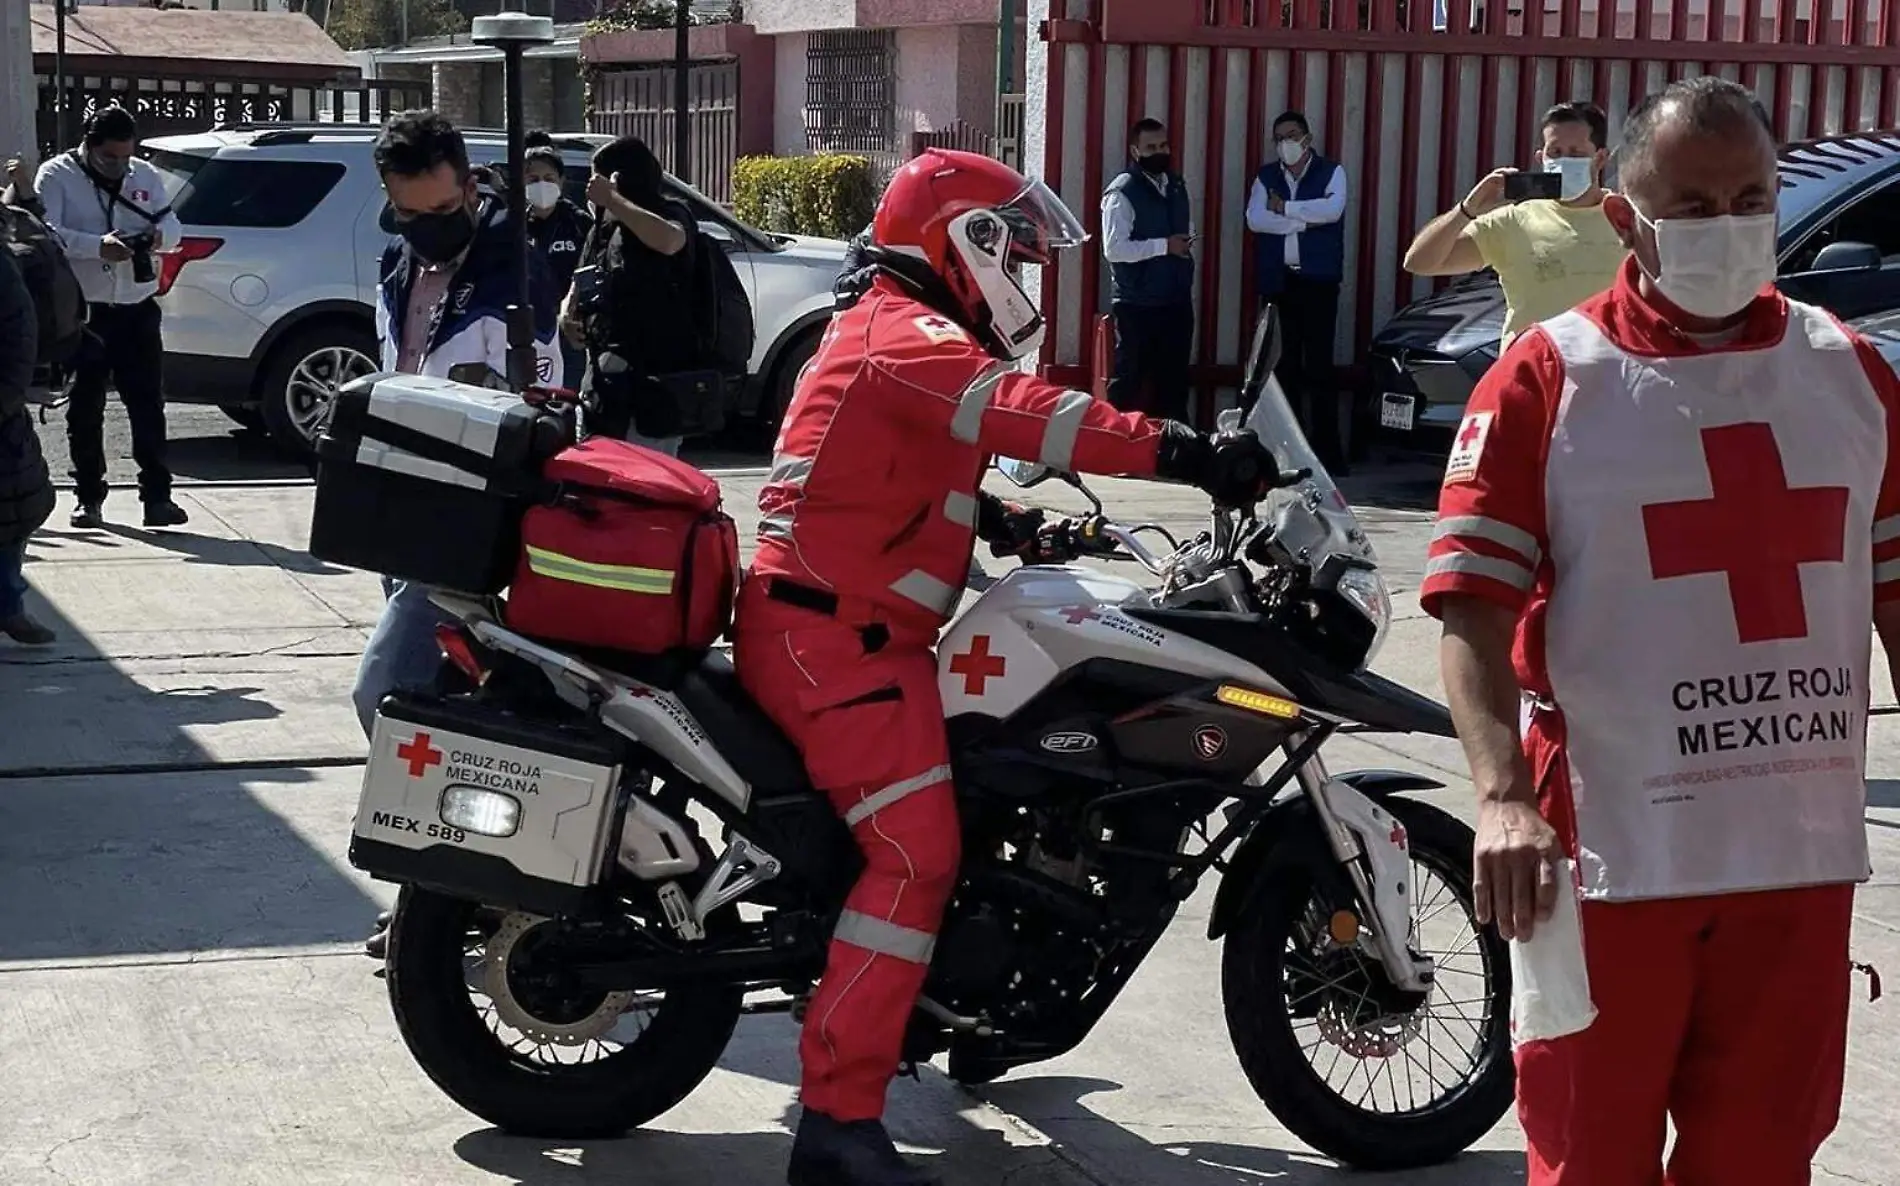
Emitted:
<point x="1364" y="590"/>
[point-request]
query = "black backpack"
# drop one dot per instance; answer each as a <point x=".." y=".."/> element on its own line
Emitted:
<point x="726" y="310"/>
<point x="50" y="280"/>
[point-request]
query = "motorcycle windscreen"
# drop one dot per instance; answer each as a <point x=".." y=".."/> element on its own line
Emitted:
<point x="1272" y="420"/>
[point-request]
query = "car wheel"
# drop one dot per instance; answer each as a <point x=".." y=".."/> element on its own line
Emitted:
<point x="304" y="374"/>
<point x="777" y="397"/>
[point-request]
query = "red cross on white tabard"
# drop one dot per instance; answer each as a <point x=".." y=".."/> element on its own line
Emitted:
<point x="1755" y="530"/>
<point x="420" y="755"/>
<point x="977" y="666"/>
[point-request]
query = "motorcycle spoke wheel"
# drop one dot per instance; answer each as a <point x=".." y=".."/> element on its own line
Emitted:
<point x="1388" y="1063"/>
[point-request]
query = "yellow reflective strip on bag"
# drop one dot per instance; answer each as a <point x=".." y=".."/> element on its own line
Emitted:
<point x="557" y="567"/>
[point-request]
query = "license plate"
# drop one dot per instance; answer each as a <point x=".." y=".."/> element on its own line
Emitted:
<point x="1397" y="411"/>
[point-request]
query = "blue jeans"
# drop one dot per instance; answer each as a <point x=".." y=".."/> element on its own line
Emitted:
<point x="402" y="651"/>
<point x="12" y="580"/>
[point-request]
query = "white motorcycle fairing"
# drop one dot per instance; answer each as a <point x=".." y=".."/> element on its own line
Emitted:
<point x="1037" y="622"/>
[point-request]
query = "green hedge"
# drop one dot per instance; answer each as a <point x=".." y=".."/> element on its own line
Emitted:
<point x="829" y="195"/>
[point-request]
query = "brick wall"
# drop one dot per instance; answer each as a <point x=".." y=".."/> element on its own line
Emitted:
<point x="458" y="91"/>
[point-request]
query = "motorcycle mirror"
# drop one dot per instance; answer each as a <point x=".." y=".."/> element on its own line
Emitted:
<point x="1264" y="358"/>
<point x="1023" y="473"/>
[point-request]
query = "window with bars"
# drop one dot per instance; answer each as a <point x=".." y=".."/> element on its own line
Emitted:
<point x="850" y="91"/>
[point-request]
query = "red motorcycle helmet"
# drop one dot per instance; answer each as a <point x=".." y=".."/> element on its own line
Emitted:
<point x="975" y="222"/>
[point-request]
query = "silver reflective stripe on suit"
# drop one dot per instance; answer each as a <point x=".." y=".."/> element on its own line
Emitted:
<point x="1065" y="425"/>
<point x="884" y="938"/>
<point x="960" y="508"/>
<point x="925" y="590"/>
<point x="1887" y="530"/>
<point x="1886" y="570"/>
<point x="1510" y="572"/>
<point x="873" y="803"/>
<point x="789" y="469"/>
<point x="776" y="526"/>
<point x="1504" y="535"/>
<point x="967" y="424"/>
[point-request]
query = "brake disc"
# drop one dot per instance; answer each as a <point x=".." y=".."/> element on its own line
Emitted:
<point x="516" y="1015"/>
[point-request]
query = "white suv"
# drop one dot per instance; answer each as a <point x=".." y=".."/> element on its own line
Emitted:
<point x="269" y="299"/>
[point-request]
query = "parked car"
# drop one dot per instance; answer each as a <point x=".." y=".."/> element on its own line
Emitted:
<point x="269" y="298"/>
<point x="1840" y="248"/>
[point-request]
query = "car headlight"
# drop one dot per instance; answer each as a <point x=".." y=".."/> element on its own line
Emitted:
<point x="1364" y="590"/>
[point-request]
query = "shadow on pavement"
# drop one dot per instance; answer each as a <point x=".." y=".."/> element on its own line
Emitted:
<point x="149" y="864"/>
<point x="242" y="454"/>
<point x="191" y="855"/>
<point x="1054" y="1105"/>
<point x="223" y="553"/>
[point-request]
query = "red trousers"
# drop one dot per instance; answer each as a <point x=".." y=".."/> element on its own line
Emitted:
<point x="1727" y="1014"/>
<point x="870" y="728"/>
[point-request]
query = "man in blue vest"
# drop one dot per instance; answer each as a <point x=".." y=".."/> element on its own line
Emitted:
<point x="1148" y="237"/>
<point x="1297" y="213"/>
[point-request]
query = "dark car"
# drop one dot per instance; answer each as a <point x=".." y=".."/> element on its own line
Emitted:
<point x="1840" y="248"/>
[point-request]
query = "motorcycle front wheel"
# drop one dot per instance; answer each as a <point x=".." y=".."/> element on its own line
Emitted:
<point x="1326" y="1043"/>
<point x="541" y="1058"/>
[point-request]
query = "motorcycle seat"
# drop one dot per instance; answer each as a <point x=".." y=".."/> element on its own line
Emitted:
<point x="740" y="730"/>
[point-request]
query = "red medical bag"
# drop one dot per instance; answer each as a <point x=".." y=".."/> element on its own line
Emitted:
<point x="631" y="552"/>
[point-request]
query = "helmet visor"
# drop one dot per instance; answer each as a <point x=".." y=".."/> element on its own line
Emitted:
<point x="1040" y="224"/>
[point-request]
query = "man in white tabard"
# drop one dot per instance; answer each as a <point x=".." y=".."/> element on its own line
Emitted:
<point x="1667" y="521"/>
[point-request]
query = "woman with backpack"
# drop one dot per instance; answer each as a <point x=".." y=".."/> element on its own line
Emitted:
<point x="632" y="302"/>
<point x="26" y="489"/>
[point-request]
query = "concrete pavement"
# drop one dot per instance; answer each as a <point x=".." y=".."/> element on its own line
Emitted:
<point x="181" y="1000"/>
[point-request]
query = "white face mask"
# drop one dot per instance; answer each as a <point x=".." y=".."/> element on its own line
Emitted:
<point x="1713" y="267"/>
<point x="542" y="195"/>
<point x="1291" y="151"/>
<point x="1579" y="175"/>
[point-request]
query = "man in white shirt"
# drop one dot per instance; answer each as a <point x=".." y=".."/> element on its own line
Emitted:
<point x="1147" y="237"/>
<point x="111" y="211"/>
<point x="1297" y="213"/>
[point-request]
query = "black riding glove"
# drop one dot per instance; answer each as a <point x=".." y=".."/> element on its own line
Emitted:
<point x="1235" y="469"/>
<point x="1010" y="528"/>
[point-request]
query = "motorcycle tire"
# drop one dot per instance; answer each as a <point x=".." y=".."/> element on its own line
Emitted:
<point x="1254" y="992"/>
<point x="449" y="1040"/>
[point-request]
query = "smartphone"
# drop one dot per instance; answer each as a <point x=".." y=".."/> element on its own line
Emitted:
<point x="1522" y="187"/>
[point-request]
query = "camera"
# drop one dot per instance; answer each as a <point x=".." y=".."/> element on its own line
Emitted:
<point x="144" y="271"/>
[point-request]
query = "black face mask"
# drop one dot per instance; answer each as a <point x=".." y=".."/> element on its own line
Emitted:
<point x="439" y="238"/>
<point x="1156" y="164"/>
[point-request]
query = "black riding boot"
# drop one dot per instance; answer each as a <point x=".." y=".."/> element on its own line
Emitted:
<point x="831" y="1152"/>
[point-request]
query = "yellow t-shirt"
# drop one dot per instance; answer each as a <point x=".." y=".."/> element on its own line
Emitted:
<point x="1549" y="257"/>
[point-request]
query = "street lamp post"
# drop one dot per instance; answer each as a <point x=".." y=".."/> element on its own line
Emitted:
<point x="682" y="68"/>
<point x="60" y="96"/>
<point x="512" y="33"/>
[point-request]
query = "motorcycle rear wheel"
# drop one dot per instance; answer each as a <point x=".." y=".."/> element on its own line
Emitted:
<point x="428" y="989"/>
<point x="1255" y="980"/>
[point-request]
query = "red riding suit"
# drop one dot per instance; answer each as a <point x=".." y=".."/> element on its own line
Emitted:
<point x="864" y="546"/>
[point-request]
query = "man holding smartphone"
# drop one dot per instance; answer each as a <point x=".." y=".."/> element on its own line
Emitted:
<point x="1148" y="240"/>
<point x="1542" y="231"/>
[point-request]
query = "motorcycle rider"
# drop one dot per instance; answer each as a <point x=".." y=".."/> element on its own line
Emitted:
<point x="865" y="537"/>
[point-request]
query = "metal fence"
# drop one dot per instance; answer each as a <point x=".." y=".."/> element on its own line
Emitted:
<point x="173" y="106"/>
<point x="640" y="103"/>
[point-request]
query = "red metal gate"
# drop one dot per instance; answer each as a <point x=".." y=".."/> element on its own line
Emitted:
<point x="639" y="102"/>
<point x="1416" y="104"/>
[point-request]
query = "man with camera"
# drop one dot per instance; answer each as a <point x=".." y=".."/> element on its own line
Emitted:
<point x="1543" y="231"/>
<point x="111" y="211"/>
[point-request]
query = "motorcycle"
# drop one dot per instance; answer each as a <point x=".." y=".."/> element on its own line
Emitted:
<point x="1113" y="745"/>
